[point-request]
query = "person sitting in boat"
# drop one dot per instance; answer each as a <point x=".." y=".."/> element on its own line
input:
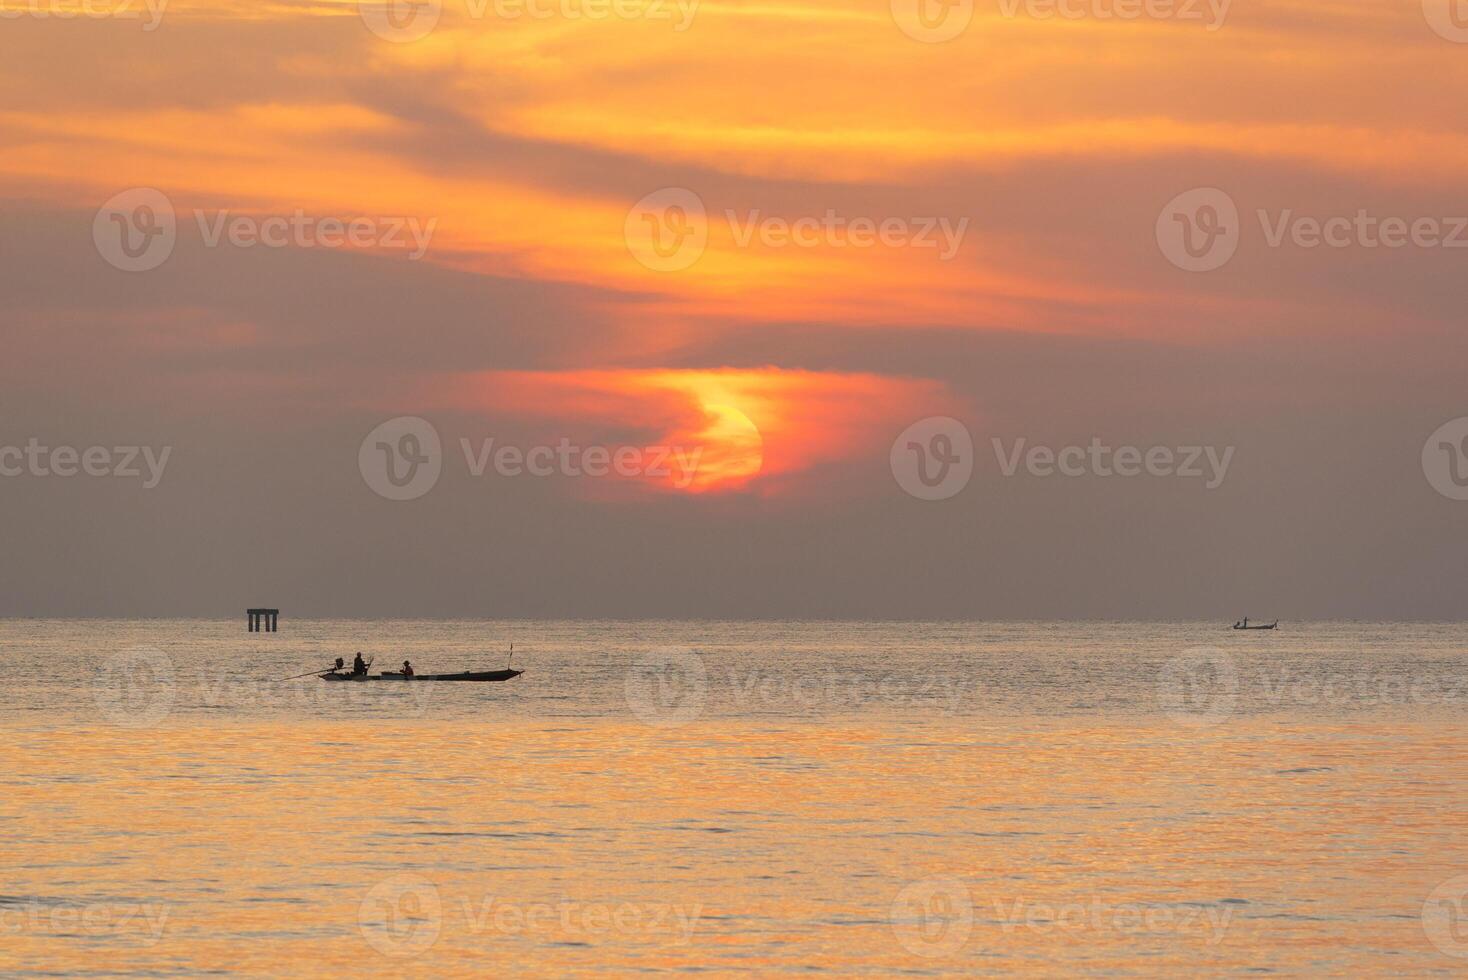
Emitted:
<point x="340" y="663"/>
<point x="407" y="669"/>
<point x="359" y="666"/>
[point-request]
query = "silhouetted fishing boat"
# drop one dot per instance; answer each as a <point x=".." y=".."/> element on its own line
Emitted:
<point x="468" y="675"/>
<point x="339" y="672"/>
<point x="1263" y="626"/>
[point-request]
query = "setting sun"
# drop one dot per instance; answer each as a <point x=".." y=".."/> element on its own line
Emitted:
<point x="733" y="451"/>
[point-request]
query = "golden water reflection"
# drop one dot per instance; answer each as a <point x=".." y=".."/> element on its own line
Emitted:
<point x="429" y="848"/>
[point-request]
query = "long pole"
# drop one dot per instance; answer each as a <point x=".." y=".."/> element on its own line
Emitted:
<point x="309" y="673"/>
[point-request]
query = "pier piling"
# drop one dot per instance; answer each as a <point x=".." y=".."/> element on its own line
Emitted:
<point x="263" y="620"/>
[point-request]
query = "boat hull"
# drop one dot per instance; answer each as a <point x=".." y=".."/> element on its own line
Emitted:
<point x="481" y="676"/>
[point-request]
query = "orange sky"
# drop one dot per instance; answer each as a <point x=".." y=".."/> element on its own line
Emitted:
<point x="1019" y="165"/>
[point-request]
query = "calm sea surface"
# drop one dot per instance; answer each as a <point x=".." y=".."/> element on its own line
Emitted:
<point x="846" y="798"/>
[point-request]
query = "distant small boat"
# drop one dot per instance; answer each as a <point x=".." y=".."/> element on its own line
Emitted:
<point x="390" y="675"/>
<point x="1245" y="625"/>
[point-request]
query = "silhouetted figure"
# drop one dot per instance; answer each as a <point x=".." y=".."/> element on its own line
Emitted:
<point x="407" y="669"/>
<point x="359" y="666"/>
<point x="340" y="663"/>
